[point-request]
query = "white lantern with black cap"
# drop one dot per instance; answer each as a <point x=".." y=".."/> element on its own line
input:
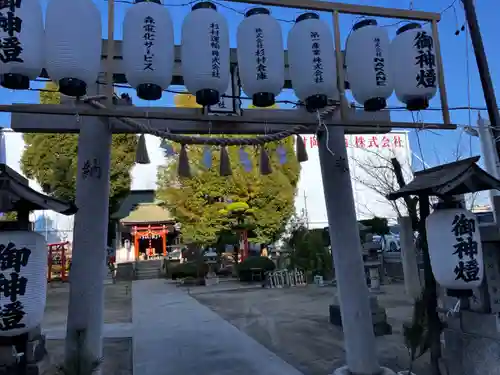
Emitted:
<point x="311" y="57"/>
<point x="148" y="48"/>
<point x="455" y="249"/>
<point x="261" y="58"/>
<point x="415" y="74"/>
<point x="205" y="53"/>
<point x="73" y="37"/>
<point x="368" y="65"/>
<point x="21" y="52"/>
<point x="23" y="277"/>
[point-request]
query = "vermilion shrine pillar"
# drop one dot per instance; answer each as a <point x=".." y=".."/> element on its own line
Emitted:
<point x="149" y="232"/>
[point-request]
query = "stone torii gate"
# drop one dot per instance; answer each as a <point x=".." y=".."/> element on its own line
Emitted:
<point x="95" y="126"/>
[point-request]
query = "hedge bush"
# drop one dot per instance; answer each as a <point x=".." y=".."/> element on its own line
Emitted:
<point x="188" y="269"/>
<point x="250" y="267"/>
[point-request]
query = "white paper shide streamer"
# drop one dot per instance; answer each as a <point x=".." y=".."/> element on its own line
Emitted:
<point x="22" y="36"/>
<point x="368" y="65"/>
<point x="312" y="61"/>
<point x="415" y="73"/>
<point x="73" y="37"/>
<point x="148" y="48"/>
<point x="205" y="53"/>
<point x="23" y="281"/>
<point x="261" y="58"/>
<point x="455" y="248"/>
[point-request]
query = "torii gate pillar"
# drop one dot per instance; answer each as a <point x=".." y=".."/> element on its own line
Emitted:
<point x="86" y="295"/>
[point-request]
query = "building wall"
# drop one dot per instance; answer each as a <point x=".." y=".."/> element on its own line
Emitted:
<point x="369" y="159"/>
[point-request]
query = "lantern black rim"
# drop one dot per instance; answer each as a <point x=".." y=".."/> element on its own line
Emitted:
<point x="207" y="97"/>
<point x="307" y="16"/>
<point x="204" y="5"/>
<point x="408" y="26"/>
<point x="15" y="81"/>
<point x="315" y="102"/>
<point x="459" y="293"/>
<point x="364" y="23"/>
<point x="149" y="91"/>
<point x="72" y="87"/>
<point x="263" y="99"/>
<point x="254" y="11"/>
<point x="375" y="104"/>
<point x="417" y="104"/>
<point x="148" y="1"/>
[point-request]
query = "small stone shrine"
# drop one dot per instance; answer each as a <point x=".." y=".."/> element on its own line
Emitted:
<point x="23" y="274"/>
<point x="472" y="331"/>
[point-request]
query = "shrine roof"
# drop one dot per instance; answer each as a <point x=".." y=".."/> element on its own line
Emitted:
<point x="148" y="213"/>
<point x="460" y="177"/>
<point x="21" y="196"/>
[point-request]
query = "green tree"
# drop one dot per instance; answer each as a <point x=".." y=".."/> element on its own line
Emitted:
<point x="307" y="250"/>
<point x="9" y="216"/>
<point x="197" y="202"/>
<point x="51" y="160"/>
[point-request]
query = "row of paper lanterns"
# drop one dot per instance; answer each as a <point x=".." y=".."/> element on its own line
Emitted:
<point x="70" y="49"/>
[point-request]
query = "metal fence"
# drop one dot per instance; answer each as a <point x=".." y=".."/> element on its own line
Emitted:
<point x="285" y="278"/>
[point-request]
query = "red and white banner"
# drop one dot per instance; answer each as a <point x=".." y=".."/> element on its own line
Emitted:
<point x="371" y="141"/>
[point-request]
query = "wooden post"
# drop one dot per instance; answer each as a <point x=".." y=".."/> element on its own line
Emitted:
<point x="164" y="233"/>
<point x="340" y="66"/>
<point x="440" y="72"/>
<point x="136" y="243"/>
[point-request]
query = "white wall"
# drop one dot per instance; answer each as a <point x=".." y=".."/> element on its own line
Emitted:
<point x="376" y="153"/>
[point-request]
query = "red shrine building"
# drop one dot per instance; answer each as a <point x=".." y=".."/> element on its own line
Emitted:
<point x="148" y="232"/>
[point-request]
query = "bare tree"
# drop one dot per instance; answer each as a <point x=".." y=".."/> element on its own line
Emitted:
<point x="377" y="172"/>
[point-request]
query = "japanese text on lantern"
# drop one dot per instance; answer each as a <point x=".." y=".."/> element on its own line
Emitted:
<point x="363" y="141"/>
<point x="215" y="45"/>
<point x="12" y="285"/>
<point x="317" y="62"/>
<point x="260" y="55"/>
<point x="149" y="36"/>
<point x="466" y="248"/>
<point x="91" y="168"/>
<point x="379" y="64"/>
<point x="10" y="46"/>
<point x="425" y="60"/>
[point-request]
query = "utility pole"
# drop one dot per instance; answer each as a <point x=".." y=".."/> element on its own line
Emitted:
<point x="484" y="71"/>
<point x="305" y="210"/>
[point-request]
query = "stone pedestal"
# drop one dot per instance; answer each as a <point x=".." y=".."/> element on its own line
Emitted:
<point x="35" y="353"/>
<point x="211" y="279"/>
<point x="472" y="344"/>
<point x="345" y="371"/>
<point x="379" y="317"/>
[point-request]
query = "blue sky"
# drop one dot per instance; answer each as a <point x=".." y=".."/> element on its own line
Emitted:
<point x="433" y="147"/>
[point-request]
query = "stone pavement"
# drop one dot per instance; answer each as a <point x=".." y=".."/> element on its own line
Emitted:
<point x="175" y="334"/>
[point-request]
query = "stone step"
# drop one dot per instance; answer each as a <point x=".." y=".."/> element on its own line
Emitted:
<point x="143" y="274"/>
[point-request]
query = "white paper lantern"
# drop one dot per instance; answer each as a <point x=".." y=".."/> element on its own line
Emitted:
<point x="21" y="51"/>
<point x="23" y="281"/>
<point x="368" y="65"/>
<point x="261" y="58"/>
<point x="311" y="57"/>
<point x="205" y="53"/>
<point x="148" y="48"/>
<point x="415" y="74"/>
<point x="455" y="248"/>
<point x="73" y="35"/>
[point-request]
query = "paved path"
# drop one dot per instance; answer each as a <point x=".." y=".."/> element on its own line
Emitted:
<point x="174" y="334"/>
<point x="111" y="330"/>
